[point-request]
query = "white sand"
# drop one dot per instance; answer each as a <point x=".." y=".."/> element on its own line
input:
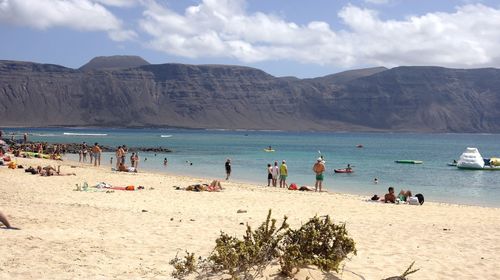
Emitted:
<point x="67" y="234"/>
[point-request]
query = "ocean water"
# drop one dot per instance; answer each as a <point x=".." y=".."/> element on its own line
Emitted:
<point x="209" y="149"/>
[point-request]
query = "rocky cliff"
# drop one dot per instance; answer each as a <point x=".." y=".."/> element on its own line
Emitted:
<point x="219" y="96"/>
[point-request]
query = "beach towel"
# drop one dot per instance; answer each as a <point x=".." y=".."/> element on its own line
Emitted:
<point x="103" y="185"/>
<point x="127" y="188"/>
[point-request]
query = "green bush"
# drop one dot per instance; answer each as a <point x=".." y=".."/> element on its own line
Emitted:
<point x="318" y="242"/>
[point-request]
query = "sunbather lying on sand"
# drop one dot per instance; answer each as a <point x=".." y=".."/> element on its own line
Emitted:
<point x="306" y="188"/>
<point x="123" y="168"/>
<point x="215" y="186"/>
<point x="51" y="171"/>
<point x="4" y="221"/>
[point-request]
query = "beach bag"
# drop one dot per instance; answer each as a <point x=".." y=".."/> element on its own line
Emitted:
<point x="129" y="188"/>
<point x="293" y="187"/>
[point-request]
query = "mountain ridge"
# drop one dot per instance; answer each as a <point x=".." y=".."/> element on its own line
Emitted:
<point x="407" y="98"/>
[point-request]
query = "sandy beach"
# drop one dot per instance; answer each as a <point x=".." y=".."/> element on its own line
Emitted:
<point x="68" y="234"/>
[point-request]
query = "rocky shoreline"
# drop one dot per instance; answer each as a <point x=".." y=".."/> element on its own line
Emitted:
<point x="74" y="148"/>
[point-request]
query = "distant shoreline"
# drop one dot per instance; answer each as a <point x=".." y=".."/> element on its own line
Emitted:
<point x="239" y="129"/>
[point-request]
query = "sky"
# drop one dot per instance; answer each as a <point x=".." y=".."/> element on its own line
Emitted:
<point x="282" y="37"/>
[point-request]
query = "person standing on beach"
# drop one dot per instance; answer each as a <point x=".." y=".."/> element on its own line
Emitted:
<point x="269" y="174"/>
<point x="84" y="151"/>
<point x="119" y="154"/>
<point x="276" y="172"/>
<point x="228" y="168"/>
<point x="136" y="160"/>
<point x="25" y="138"/>
<point x="91" y="156"/>
<point x="124" y="153"/>
<point x="96" y="150"/>
<point x="132" y="160"/>
<point x="319" y="168"/>
<point x="165" y="162"/>
<point x="283" y="174"/>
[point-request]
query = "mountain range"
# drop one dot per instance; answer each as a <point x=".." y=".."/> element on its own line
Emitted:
<point x="127" y="91"/>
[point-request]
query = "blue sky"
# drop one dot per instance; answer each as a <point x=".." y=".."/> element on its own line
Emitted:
<point x="282" y="37"/>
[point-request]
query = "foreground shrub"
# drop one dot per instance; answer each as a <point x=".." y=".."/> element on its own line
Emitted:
<point x="319" y="242"/>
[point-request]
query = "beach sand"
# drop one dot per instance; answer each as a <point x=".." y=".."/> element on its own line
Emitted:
<point x="67" y="234"/>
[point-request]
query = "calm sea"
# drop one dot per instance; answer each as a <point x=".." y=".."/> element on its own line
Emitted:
<point x="209" y="149"/>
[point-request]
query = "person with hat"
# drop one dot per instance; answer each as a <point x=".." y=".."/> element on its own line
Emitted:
<point x="319" y="168"/>
<point x="283" y="174"/>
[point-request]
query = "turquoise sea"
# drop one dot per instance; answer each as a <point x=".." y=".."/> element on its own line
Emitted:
<point x="208" y="150"/>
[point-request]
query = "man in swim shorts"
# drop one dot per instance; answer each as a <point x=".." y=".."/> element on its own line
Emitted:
<point x="283" y="174"/>
<point x="319" y="168"/>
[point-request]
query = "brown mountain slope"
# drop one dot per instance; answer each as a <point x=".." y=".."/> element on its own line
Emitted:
<point x="220" y="96"/>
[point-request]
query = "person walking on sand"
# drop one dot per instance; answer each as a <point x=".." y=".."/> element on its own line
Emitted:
<point x="283" y="174"/>
<point x="319" y="168"/>
<point x="96" y="151"/>
<point x="276" y="172"/>
<point x="228" y="168"/>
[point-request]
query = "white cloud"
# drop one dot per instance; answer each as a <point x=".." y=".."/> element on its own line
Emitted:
<point x="81" y="15"/>
<point x="119" y="3"/>
<point x="378" y="2"/>
<point x="468" y="37"/>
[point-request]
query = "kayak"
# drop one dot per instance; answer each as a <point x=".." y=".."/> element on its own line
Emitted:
<point x="343" y="170"/>
<point x="268" y="150"/>
<point x="409" y="161"/>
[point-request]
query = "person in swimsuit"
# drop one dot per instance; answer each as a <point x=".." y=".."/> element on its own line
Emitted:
<point x="390" y="197"/>
<point x="318" y="169"/>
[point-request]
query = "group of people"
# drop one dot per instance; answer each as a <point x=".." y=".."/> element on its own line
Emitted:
<point x="121" y="155"/>
<point x="404" y="196"/>
<point x="94" y="153"/>
<point x="275" y="172"/>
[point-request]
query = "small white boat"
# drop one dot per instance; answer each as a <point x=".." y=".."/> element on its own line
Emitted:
<point x="165" y="136"/>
